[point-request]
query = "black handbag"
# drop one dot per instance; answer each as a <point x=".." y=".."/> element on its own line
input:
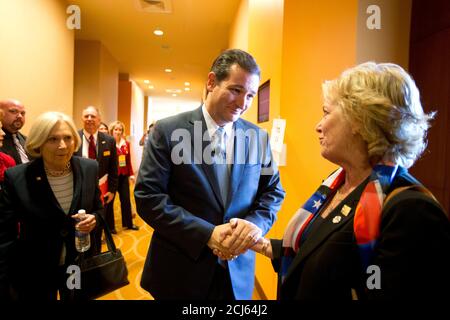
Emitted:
<point x="102" y="273"/>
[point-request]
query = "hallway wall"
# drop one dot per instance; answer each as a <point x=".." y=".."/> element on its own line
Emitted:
<point x="36" y="56"/>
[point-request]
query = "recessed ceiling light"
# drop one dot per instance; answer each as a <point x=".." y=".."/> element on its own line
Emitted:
<point x="158" y="32"/>
<point x="146" y="81"/>
<point x="151" y="87"/>
<point x="187" y="83"/>
<point x="174" y="94"/>
<point x="168" y="70"/>
<point x="187" y="89"/>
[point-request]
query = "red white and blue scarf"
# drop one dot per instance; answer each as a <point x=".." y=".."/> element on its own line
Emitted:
<point x="366" y="225"/>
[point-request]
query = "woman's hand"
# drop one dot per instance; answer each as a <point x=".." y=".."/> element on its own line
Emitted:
<point x="263" y="246"/>
<point x="86" y="225"/>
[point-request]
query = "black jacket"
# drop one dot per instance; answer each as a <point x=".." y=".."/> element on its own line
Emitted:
<point x="29" y="258"/>
<point x="413" y="252"/>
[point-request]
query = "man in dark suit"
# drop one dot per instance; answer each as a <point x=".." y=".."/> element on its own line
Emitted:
<point x="200" y="170"/>
<point x="13" y="121"/>
<point x="102" y="147"/>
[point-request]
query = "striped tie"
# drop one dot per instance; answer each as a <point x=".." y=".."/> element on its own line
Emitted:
<point x="92" y="153"/>
<point x="20" y="150"/>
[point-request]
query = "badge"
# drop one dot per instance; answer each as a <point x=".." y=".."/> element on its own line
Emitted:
<point x="337" y="219"/>
<point x="346" y="210"/>
<point x="122" y="161"/>
<point x="106" y="153"/>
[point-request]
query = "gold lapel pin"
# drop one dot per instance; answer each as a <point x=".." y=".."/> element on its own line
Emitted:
<point x="346" y="210"/>
<point x="337" y="219"/>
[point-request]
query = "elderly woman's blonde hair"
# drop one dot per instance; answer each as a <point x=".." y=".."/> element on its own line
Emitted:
<point x="115" y="124"/>
<point x="41" y="128"/>
<point x="382" y="103"/>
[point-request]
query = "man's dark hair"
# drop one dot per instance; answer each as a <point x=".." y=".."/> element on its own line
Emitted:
<point x="221" y="66"/>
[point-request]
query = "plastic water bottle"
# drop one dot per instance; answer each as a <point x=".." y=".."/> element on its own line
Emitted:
<point x="82" y="239"/>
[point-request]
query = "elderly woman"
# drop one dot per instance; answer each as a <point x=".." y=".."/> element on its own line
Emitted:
<point x="39" y="206"/>
<point x="5" y="160"/>
<point x="346" y="242"/>
<point x="117" y="130"/>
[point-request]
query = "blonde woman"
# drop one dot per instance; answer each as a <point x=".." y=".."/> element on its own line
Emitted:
<point x="39" y="206"/>
<point x="126" y="173"/>
<point x="346" y="242"/>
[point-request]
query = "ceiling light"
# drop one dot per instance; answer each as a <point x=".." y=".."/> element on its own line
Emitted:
<point x="151" y="87"/>
<point x="187" y="89"/>
<point x="146" y="81"/>
<point x="174" y="94"/>
<point x="158" y="32"/>
<point x="168" y="70"/>
<point x="187" y="83"/>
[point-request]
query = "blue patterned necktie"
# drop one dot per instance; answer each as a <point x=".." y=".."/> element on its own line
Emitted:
<point x="220" y="165"/>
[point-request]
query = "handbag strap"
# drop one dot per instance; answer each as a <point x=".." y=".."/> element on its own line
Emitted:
<point x="414" y="187"/>
<point x="108" y="236"/>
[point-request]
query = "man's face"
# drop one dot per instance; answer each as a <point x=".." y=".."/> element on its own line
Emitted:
<point x="91" y="120"/>
<point x="229" y="99"/>
<point x="14" y="116"/>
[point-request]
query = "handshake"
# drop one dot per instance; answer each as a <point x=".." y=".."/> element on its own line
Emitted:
<point x="234" y="238"/>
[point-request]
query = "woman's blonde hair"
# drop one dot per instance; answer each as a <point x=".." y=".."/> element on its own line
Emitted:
<point x="383" y="103"/>
<point x="115" y="124"/>
<point x="41" y="128"/>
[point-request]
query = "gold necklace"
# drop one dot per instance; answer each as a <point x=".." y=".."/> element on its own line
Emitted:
<point x="58" y="173"/>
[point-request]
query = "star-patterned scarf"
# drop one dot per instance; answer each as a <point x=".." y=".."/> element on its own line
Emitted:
<point x="367" y="217"/>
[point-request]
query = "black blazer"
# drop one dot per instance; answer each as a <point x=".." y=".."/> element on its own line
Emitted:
<point x="106" y="158"/>
<point x="29" y="258"/>
<point x="413" y="252"/>
<point x="10" y="148"/>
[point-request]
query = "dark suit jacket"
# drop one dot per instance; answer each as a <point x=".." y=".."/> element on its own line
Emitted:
<point x="413" y="252"/>
<point x="182" y="202"/>
<point x="29" y="259"/>
<point x="10" y="148"/>
<point x="106" y="158"/>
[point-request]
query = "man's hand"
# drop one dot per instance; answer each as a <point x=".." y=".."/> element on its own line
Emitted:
<point x="245" y="235"/>
<point x="218" y="235"/>
<point x="108" y="197"/>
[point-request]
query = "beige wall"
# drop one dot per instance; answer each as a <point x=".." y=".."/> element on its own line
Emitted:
<point x="96" y="80"/>
<point x="391" y="42"/>
<point x="239" y="29"/>
<point x="298" y="45"/>
<point x="136" y="129"/>
<point x="258" y="29"/>
<point x="36" y="56"/>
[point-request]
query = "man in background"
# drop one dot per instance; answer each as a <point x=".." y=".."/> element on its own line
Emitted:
<point x="101" y="147"/>
<point x="13" y="120"/>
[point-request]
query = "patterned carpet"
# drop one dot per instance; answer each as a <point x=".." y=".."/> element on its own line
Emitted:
<point x="134" y="246"/>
